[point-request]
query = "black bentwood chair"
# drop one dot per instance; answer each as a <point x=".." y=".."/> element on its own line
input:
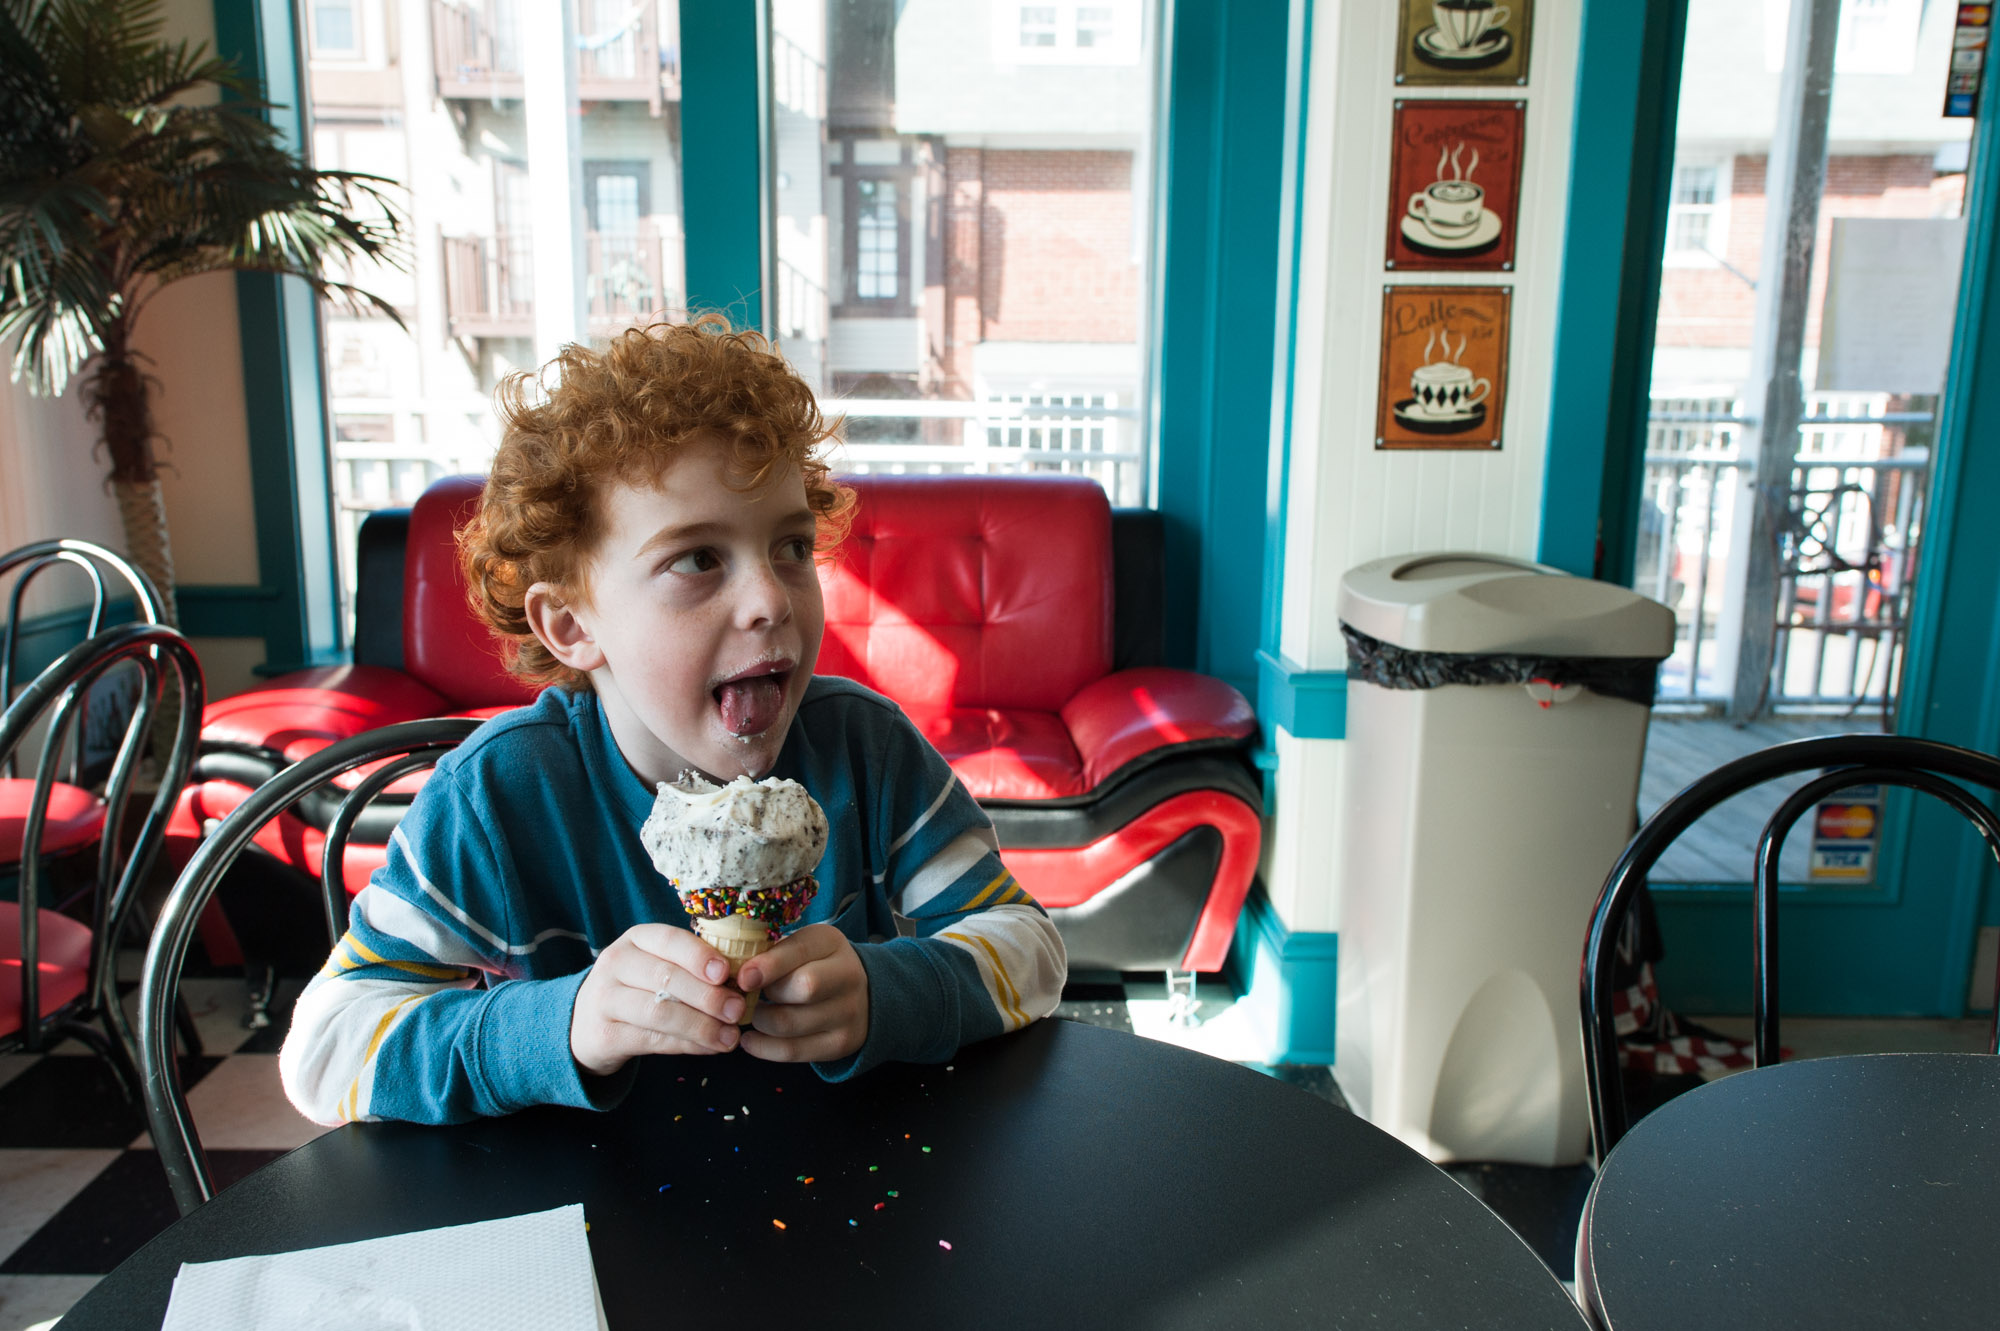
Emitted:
<point x="390" y="754"/>
<point x="65" y="951"/>
<point x="1849" y="760"/>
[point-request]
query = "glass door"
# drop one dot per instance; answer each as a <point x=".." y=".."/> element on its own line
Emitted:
<point x="1815" y="234"/>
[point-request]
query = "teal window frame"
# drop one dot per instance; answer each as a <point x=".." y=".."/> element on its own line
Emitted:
<point x="294" y="605"/>
<point x="1221" y="159"/>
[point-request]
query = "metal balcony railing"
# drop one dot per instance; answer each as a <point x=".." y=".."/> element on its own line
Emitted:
<point x="1045" y="433"/>
<point x="1847" y="559"/>
<point x="622" y="52"/>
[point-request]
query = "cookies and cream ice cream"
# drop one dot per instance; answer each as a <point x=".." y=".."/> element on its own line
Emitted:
<point x="741" y="856"/>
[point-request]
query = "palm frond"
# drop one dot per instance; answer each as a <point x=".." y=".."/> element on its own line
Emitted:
<point x="111" y="187"/>
<point x="58" y="319"/>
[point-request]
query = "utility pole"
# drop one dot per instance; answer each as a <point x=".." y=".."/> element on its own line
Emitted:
<point x="1794" y="180"/>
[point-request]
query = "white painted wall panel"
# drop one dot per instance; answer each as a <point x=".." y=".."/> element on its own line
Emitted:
<point x="1349" y="503"/>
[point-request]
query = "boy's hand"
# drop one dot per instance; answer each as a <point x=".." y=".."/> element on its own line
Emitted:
<point x="618" y="1014"/>
<point x="815" y="1002"/>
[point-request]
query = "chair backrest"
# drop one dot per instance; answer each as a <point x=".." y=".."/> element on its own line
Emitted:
<point x="95" y="562"/>
<point x="445" y="647"/>
<point x="56" y="695"/>
<point x="950" y="591"/>
<point x="392" y="752"/>
<point x="972" y="591"/>
<point x="1849" y="760"/>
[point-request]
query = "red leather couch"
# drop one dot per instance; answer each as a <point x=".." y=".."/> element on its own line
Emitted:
<point x="1015" y="619"/>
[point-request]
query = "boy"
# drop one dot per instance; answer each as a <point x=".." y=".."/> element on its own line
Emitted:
<point x="646" y="546"/>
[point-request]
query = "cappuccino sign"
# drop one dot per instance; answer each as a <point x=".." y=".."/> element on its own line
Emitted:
<point x="1444" y="367"/>
<point x="1455" y="186"/>
<point x="1463" y="42"/>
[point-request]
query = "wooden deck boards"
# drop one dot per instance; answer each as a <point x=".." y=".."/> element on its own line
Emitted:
<point x="1719" y="848"/>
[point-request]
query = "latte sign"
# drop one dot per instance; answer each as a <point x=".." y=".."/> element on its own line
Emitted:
<point x="1444" y="367"/>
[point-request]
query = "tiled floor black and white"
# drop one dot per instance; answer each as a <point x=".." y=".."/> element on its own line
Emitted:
<point x="80" y="1188"/>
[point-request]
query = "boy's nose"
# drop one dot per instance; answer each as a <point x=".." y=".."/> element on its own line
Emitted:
<point x="765" y="599"/>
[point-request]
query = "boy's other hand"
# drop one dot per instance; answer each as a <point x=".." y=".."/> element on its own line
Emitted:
<point x="620" y="1015"/>
<point x="815" y="1002"/>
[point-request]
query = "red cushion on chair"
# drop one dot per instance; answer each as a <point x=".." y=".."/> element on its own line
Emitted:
<point x="444" y="645"/>
<point x="64" y="963"/>
<point x="287" y="837"/>
<point x="305" y="710"/>
<point x="1005" y="755"/>
<point x="972" y="591"/>
<point x="75" y="819"/>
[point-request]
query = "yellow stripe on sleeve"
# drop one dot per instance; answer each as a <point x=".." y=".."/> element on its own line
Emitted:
<point x="1010" y="997"/>
<point x="350" y="1106"/>
<point x="991" y="888"/>
<point x="364" y="957"/>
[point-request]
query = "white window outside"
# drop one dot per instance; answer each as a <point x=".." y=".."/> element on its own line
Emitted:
<point x="1698" y="213"/>
<point x="1067" y="33"/>
<point x="335" y="29"/>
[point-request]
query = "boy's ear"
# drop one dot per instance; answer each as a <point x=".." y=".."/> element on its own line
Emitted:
<point x="559" y="627"/>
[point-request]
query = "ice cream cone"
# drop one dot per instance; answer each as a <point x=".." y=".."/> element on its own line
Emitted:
<point x="739" y="938"/>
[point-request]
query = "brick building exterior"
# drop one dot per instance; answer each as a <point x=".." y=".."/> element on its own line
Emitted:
<point x="1039" y="249"/>
<point x="1708" y="304"/>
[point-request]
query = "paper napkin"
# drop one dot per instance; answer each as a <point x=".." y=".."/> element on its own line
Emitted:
<point x="528" y="1272"/>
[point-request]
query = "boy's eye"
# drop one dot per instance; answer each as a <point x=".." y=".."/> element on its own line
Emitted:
<point x="798" y="548"/>
<point x="694" y="561"/>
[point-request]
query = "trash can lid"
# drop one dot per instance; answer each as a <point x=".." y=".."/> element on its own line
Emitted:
<point x="1465" y="602"/>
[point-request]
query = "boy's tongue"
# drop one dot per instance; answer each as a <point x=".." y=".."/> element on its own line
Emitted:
<point x="751" y="706"/>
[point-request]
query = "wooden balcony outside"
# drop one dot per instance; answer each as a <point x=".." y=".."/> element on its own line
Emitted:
<point x="478" y="55"/>
<point x="630" y="278"/>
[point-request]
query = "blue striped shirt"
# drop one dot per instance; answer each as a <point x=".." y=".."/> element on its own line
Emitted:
<point x="450" y="995"/>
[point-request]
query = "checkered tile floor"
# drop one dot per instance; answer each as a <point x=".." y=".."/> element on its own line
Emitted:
<point x="81" y="1189"/>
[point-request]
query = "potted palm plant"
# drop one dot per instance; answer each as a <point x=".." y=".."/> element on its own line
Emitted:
<point x="120" y="174"/>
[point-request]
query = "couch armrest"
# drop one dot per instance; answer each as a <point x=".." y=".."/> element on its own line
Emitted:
<point x="298" y="713"/>
<point x="1132" y="714"/>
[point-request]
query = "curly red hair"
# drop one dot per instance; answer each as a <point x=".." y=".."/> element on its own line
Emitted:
<point x="590" y="419"/>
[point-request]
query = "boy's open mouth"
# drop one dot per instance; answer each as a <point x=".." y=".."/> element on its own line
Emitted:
<point x="752" y="700"/>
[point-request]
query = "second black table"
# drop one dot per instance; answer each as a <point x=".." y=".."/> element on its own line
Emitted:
<point x="1861" y="1191"/>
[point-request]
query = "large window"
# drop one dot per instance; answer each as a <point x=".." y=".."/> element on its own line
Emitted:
<point x="1875" y="314"/>
<point x="450" y="109"/>
<point x="962" y="211"/>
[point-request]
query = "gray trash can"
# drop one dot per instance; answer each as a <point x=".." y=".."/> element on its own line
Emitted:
<point x="1496" y="722"/>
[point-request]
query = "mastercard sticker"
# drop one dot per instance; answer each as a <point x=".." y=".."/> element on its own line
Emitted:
<point x="1845" y="831"/>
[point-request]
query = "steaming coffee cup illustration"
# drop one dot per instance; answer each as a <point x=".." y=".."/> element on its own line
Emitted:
<point x="1449" y="209"/>
<point x="1462" y="24"/>
<point x="1444" y="390"/>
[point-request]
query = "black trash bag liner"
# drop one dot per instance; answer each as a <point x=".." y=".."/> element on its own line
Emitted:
<point x="1373" y="661"/>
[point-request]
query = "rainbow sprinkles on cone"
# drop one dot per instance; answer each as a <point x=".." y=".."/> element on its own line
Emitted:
<point x="741" y="856"/>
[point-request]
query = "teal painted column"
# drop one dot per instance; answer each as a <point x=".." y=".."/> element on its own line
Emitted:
<point x="1217" y="329"/>
<point x="1627" y="97"/>
<point x="295" y="605"/>
<point x="723" y="165"/>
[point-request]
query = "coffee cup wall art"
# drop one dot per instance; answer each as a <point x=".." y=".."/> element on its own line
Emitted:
<point x="1468" y="43"/>
<point x="1454" y="185"/>
<point x="1444" y="367"/>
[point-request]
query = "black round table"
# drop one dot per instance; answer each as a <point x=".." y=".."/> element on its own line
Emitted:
<point x="1081" y="1177"/>
<point x="1858" y="1191"/>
